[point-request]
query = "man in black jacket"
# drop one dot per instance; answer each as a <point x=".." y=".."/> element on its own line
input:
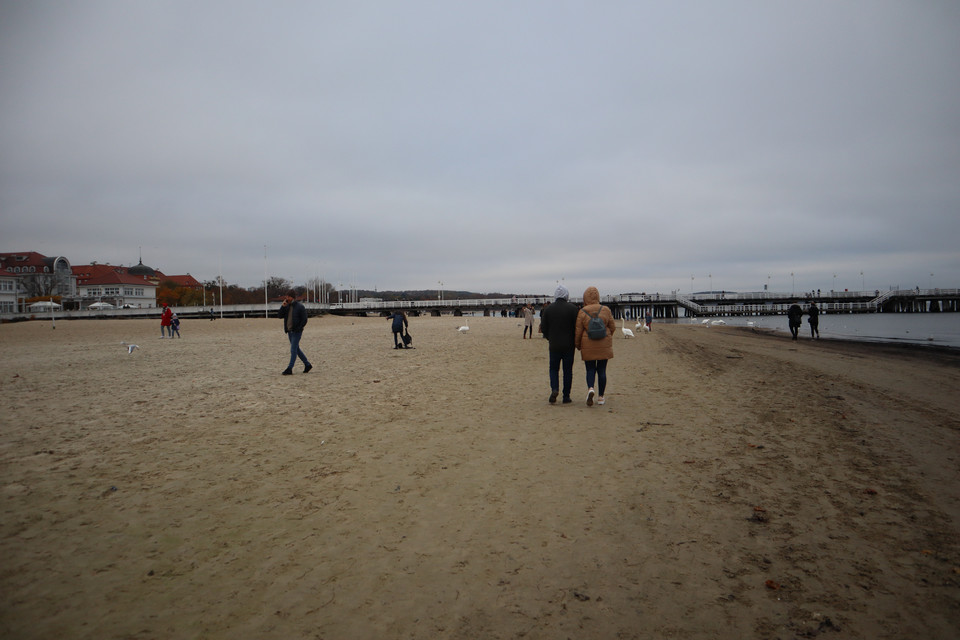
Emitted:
<point x="558" y="323"/>
<point x="294" y="317"/>
<point x="794" y="319"/>
<point x="814" y="320"/>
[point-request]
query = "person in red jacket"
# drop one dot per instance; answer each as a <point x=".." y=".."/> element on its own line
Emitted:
<point x="166" y="319"/>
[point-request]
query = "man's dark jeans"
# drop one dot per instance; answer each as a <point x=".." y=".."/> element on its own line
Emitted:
<point x="564" y="358"/>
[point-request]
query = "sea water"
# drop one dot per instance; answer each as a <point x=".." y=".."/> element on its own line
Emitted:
<point x="940" y="329"/>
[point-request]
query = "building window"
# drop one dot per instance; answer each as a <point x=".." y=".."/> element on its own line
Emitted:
<point x="111" y="291"/>
<point x="138" y="292"/>
<point x="6" y="285"/>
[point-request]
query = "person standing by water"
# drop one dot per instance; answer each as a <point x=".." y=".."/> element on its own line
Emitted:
<point x="399" y="323"/>
<point x="528" y="320"/>
<point x="166" y="320"/>
<point x="595" y="352"/>
<point x="294" y="316"/>
<point x="814" y="320"/>
<point x="557" y="323"/>
<point x="794" y="319"/>
<point x="648" y="318"/>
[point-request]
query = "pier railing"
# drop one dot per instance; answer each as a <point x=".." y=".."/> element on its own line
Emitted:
<point x="662" y="305"/>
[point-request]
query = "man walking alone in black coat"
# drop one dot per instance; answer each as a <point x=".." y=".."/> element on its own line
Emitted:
<point x="294" y="317"/>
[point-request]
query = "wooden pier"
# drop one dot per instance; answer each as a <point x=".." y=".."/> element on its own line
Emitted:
<point x="659" y="305"/>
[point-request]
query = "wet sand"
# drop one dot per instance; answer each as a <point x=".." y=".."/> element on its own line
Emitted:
<point x="736" y="484"/>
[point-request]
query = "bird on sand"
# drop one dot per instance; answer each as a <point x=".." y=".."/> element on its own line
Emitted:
<point x="130" y="347"/>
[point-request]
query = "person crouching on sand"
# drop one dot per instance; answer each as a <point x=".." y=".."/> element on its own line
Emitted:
<point x="399" y="323"/>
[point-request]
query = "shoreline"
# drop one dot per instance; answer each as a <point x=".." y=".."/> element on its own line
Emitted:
<point x="891" y="346"/>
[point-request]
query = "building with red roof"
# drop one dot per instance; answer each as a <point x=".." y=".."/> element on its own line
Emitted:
<point x="28" y="274"/>
<point x="115" y="285"/>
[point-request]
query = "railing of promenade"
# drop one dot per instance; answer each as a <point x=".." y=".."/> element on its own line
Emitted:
<point x="760" y="303"/>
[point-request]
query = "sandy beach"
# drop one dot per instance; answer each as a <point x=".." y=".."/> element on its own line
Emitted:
<point x="736" y="484"/>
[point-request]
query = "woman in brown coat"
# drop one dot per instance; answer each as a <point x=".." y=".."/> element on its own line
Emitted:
<point x="595" y="353"/>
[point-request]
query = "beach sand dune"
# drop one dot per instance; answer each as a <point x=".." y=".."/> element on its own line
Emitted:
<point x="736" y="484"/>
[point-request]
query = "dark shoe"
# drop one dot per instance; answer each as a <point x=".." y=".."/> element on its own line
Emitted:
<point x="288" y="372"/>
<point x="567" y="400"/>
<point x="307" y="368"/>
<point x="553" y="397"/>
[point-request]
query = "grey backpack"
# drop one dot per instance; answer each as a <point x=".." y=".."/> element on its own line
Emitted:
<point x="596" y="329"/>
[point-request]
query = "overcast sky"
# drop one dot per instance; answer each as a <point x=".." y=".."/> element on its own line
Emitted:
<point x="492" y="146"/>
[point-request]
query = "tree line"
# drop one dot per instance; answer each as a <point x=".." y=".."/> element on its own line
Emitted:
<point x="170" y="293"/>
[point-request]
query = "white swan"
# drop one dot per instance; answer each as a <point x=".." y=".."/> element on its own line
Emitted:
<point x="626" y="332"/>
<point x="130" y="347"/>
<point x="465" y="328"/>
<point x="718" y="322"/>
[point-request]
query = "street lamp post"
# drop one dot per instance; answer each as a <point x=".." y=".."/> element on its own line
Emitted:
<point x="793" y="284"/>
<point x="440" y="291"/>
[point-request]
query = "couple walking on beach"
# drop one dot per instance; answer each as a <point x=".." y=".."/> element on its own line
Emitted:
<point x="569" y="329"/>
<point x="795" y="320"/>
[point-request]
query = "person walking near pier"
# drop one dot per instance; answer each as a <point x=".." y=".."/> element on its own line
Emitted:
<point x="528" y="320"/>
<point x="557" y="323"/>
<point x="814" y="320"/>
<point x="794" y="319"/>
<point x="595" y="351"/>
<point x="294" y="316"/>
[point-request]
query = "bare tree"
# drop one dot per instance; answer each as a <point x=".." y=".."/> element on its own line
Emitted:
<point x="39" y="284"/>
<point x="277" y="286"/>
